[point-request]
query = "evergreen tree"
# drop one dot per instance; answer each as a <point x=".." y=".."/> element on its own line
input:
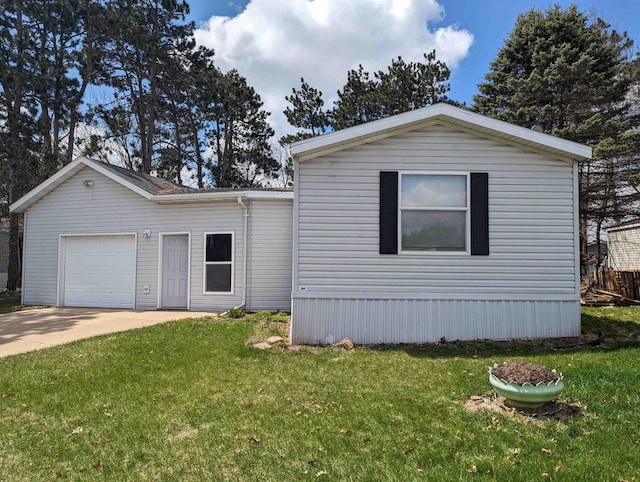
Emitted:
<point x="306" y="110"/>
<point x="45" y="65"/>
<point x="239" y="135"/>
<point x="570" y="74"/>
<point x="403" y="87"/>
<point x="142" y="39"/>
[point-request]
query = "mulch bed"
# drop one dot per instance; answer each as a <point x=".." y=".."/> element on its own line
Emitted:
<point x="559" y="410"/>
<point x="521" y="373"/>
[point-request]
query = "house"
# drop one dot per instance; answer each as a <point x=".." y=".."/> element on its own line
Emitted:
<point x="624" y="246"/>
<point x="435" y="223"/>
<point x="97" y="235"/>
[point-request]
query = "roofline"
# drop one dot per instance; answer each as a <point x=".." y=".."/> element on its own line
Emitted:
<point x="219" y="196"/>
<point x="316" y="146"/>
<point x="623" y="227"/>
<point x="70" y="169"/>
<point x="62" y="175"/>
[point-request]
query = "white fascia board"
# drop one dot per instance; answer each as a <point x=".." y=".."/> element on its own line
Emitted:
<point x="613" y="229"/>
<point x="309" y="148"/>
<point x="221" y="196"/>
<point x="65" y="173"/>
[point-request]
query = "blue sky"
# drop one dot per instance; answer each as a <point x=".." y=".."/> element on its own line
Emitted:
<point x="240" y="44"/>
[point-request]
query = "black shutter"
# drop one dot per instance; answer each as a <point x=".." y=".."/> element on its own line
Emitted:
<point x="388" y="213"/>
<point x="479" y="213"/>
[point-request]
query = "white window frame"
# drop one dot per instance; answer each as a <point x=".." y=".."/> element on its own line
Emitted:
<point x="205" y="263"/>
<point x="467" y="210"/>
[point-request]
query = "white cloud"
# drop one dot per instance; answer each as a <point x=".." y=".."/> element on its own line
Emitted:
<point x="275" y="42"/>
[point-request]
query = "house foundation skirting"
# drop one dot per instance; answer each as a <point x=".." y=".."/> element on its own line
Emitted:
<point x="371" y="321"/>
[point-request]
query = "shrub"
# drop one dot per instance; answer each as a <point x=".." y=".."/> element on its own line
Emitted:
<point x="236" y="313"/>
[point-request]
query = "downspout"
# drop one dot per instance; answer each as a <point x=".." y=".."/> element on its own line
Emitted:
<point x="244" y="255"/>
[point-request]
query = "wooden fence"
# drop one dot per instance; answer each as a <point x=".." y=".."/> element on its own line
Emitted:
<point x="625" y="283"/>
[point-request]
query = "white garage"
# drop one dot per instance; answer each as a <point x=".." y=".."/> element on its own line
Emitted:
<point x="97" y="271"/>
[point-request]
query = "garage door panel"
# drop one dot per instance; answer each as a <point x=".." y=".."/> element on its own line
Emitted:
<point x="99" y="271"/>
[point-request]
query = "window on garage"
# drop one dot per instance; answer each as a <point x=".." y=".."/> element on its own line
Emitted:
<point x="218" y="265"/>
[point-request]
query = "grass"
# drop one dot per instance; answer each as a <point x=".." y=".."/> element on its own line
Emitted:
<point x="191" y="401"/>
<point x="9" y="301"/>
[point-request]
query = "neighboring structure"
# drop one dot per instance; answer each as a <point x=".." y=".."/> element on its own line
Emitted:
<point x="624" y="246"/>
<point x="436" y="223"/>
<point x="4" y="252"/>
<point x="97" y="235"/>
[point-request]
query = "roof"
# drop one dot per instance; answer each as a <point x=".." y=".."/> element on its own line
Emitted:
<point x="434" y="114"/>
<point x="151" y="184"/>
<point x="147" y="186"/>
<point x="633" y="224"/>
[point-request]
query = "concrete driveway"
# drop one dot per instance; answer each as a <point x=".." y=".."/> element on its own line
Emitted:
<point x="36" y="328"/>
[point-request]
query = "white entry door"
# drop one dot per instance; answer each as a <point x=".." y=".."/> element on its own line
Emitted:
<point x="99" y="271"/>
<point x="175" y="270"/>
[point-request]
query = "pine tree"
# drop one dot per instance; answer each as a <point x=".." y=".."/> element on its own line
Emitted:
<point x="570" y="74"/>
<point x="239" y="135"/>
<point x="142" y="35"/>
<point x="402" y="87"/>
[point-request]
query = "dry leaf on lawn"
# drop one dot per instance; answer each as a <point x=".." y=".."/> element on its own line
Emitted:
<point x="97" y="465"/>
<point x="77" y="431"/>
<point x="546" y="451"/>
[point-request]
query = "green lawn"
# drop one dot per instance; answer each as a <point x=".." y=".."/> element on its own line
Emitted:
<point x="190" y="401"/>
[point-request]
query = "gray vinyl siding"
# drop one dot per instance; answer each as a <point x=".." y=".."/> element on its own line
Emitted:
<point x="108" y="207"/>
<point x="531" y="213"/>
<point x="525" y="288"/>
<point x="624" y="249"/>
<point x="270" y="255"/>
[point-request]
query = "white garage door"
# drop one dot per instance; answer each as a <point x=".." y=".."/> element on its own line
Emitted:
<point x="99" y="271"/>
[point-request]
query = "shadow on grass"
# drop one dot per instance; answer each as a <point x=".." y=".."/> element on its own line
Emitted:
<point x="617" y="333"/>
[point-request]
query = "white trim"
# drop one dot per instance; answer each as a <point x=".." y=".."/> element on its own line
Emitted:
<point x="466" y="209"/>
<point x="62" y="238"/>
<point x="222" y="196"/>
<point x="433" y="296"/>
<point x="576" y="226"/>
<point x="79" y="163"/>
<point x="65" y="173"/>
<point x="625" y="227"/>
<point x="24" y="257"/>
<point x="161" y="236"/>
<point x="205" y="262"/>
<point x="316" y="146"/>
<point x="245" y="249"/>
<point x="296" y="223"/>
<point x="296" y="226"/>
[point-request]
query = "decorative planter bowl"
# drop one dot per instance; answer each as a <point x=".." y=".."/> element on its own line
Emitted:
<point x="526" y="395"/>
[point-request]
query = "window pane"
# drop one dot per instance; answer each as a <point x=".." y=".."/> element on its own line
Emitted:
<point x="433" y="191"/>
<point x="218" y="277"/>
<point x="219" y="247"/>
<point x="433" y="230"/>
